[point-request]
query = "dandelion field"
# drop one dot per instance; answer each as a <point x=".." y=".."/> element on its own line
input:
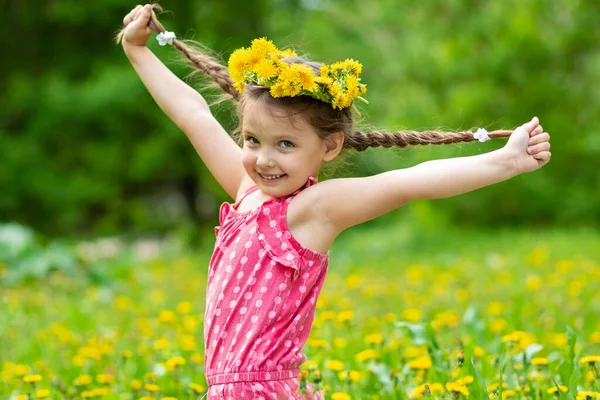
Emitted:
<point x="441" y="315"/>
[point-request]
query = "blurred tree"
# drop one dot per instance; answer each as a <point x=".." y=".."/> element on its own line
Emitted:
<point x="85" y="149"/>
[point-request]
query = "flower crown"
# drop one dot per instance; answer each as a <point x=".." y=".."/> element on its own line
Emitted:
<point x="338" y="84"/>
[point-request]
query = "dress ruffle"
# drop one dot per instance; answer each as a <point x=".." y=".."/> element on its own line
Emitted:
<point x="273" y="232"/>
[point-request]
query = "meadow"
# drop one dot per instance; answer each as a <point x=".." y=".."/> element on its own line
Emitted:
<point x="404" y="313"/>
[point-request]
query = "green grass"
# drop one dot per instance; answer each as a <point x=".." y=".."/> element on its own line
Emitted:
<point x="398" y="307"/>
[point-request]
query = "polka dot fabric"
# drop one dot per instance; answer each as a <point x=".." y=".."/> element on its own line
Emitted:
<point x="261" y="297"/>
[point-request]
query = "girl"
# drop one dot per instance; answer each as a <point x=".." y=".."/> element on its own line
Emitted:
<point x="271" y="253"/>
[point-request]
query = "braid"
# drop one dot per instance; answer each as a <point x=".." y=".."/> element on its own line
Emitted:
<point x="199" y="59"/>
<point x="211" y="67"/>
<point x="361" y="141"/>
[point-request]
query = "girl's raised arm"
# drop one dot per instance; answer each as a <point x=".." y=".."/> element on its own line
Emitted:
<point x="363" y="199"/>
<point x="182" y="104"/>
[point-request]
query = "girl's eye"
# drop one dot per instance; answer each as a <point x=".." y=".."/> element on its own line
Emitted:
<point x="286" y="144"/>
<point x="251" y="140"/>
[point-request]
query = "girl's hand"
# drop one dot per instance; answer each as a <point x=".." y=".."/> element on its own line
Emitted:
<point x="137" y="31"/>
<point x="528" y="147"/>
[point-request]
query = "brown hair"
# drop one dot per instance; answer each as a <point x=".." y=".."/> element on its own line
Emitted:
<point x="322" y="116"/>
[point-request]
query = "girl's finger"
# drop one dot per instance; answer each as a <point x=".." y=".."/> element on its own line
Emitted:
<point x="539" y="129"/>
<point x="543" y="137"/>
<point x="543" y="156"/>
<point x="539" y="148"/>
<point x="131" y="16"/>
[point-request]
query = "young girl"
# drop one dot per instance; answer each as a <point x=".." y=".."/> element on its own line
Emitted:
<point x="271" y="254"/>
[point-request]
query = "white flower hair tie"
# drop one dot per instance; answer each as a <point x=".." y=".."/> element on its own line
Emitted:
<point x="165" y="37"/>
<point x="481" y="135"/>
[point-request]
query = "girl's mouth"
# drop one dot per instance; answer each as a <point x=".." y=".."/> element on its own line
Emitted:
<point x="271" y="178"/>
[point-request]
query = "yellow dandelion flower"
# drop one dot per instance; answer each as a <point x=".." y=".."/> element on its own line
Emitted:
<point x="324" y="80"/>
<point x="539" y="361"/>
<point x="340" y="396"/>
<point x="197" y="388"/>
<point x="22" y="369"/>
<point x="374" y="338"/>
<point x="587" y="395"/>
<point x="304" y="77"/>
<point x="290" y="89"/>
<point x="238" y="64"/>
<point x="554" y="389"/>
<point x="42" y="393"/>
<point x="172" y="363"/>
<point x="365" y="355"/>
<point x="135" y="384"/>
<point x="184" y="307"/>
<point x="102" y="391"/>
<point x="277" y="90"/>
<point x="347" y="315"/>
<point x="265" y="69"/>
<point x="334" y="365"/>
<point x="467" y="380"/>
<point x="340" y="342"/>
<point x="151" y="387"/>
<point x="324" y="71"/>
<point x="105" y="378"/>
<point x="353" y="66"/>
<point x="87" y="393"/>
<point x="253" y="59"/>
<point x="32" y="378"/>
<point x="335" y="89"/>
<point x="353" y="376"/>
<point x="591" y="360"/>
<point x="197" y="358"/>
<point x="288" y="53"/>
<point x="423" y="362"/>
<point x="353" y="280"/>
<point x="263" y="46"/>
<point x="161" y="344"/>
<point x="457" y="388"/>
<point x="239" y="86"/>
<point x="478" y="351"/>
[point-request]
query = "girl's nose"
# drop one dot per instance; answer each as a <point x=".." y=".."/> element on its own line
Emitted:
<point x="264" y="160"/>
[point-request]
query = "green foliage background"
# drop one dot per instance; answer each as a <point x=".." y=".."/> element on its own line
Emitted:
<point x="85" y="150"/>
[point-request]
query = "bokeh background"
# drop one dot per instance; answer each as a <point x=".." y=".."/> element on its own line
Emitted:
<point x="86" y="151"/>
<point x="107" y="212"/>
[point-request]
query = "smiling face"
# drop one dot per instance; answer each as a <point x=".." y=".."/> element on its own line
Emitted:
<point x="280" y="153"/>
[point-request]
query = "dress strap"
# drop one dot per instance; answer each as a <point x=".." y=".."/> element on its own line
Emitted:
<point x="246" y="193"/>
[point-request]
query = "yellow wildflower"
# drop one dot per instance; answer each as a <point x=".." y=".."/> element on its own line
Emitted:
<point x="539" y="361"/>
<point x="345" y="316"/>
<point x="32" y="378"/>
<point x="374" y="338"/>
<point x="266" y="69"/>
<point x="423" y="362"/>
<point x="197" y="388"/>
<point x="591" y="360"/>
<point x="263" y="46"/>
<point x="340" y="396"/>
<point x="184" y="307"/>
<point x="135" y="384"/>
<point x="40" y="394"/>
<point x="554" y="389"/>
<point x="334" y="365"/>
<point x="353" y="376"/>
<point x="457" y="388"/>
<point x="151" y="387"/>
<point x="366" y="355"/>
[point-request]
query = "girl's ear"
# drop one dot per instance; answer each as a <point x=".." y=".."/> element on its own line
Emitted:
<point x="334" y="144"/>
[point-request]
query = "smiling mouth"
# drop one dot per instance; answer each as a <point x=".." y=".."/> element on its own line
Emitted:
<point x="271" y="177"/>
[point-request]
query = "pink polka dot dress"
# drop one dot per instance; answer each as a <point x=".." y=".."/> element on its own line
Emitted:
<point x="261" y="297"/>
